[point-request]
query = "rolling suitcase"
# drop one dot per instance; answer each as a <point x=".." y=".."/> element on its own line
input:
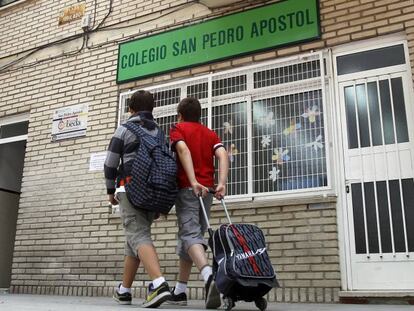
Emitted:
<point x="241" y="265"/>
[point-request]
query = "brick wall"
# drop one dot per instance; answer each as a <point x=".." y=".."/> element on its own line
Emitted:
<point x="67" y="242"/>
<point x="34" y="23"/>
<point x="302" y="244"/>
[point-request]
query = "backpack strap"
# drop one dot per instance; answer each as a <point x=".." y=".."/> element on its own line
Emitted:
<point x="139" y="132"/>
<point x="134" y="128"/>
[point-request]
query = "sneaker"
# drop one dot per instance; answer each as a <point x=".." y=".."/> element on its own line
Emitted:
<point x="180" y="299"/>
<point x="157" y="296"/>
<point x="122" y="299"/>
<point x="213" y="300"/>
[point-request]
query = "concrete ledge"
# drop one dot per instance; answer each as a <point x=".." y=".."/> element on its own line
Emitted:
<point x="377" y="297"/>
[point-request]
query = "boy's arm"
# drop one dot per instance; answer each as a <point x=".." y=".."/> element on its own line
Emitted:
<point x="223" y="159"/>
<point x="184" y="155"/>
<point x="111" y="164"/>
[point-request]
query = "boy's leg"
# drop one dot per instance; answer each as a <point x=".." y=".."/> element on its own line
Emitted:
<point x="192" y="244"/>
<point x="178" y="292"/>
<point x="123" y="293"/>
<point x="149" y="258"/>
<point x="137" y="224"/>
<point x="158" y="291"/>
<point x="198" y="255"/>
<point x="185" y="270"/>
<point x="131" y="265"/>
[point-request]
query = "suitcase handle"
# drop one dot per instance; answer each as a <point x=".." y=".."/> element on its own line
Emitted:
<point x="205" y="213"/>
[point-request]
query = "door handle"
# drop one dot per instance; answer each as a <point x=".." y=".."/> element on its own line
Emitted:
<point x="349" y="181"/>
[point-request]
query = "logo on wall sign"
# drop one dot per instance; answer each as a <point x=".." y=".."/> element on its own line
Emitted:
<point x="68" y="123"/>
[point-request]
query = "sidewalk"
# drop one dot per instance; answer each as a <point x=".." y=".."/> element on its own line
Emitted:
<point x="11" y="302"/>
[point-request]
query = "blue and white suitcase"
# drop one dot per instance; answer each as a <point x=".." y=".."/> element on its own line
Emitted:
<point x="241" y="264"/>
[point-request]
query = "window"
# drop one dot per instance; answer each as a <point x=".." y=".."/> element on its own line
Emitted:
<point x="372" y="59"/>
<point x="13" y="135"/>
<point x="288" y="142"/>
<point x="271" y="119"/>
<point x="6" y="2"/>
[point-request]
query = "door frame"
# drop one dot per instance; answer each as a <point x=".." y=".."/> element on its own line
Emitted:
<point x="342" y="214"/>
<point x="10" y="193"/>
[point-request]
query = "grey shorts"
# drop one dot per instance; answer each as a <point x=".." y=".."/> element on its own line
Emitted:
<point x="137" y="225"/>
<point x="191" y="222"/>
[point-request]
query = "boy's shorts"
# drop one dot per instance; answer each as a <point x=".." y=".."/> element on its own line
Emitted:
<point x="191" y="222"/>
<point x="137" y="225"/>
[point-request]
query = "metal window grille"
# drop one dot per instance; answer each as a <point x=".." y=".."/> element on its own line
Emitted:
<point x="229" y="85"/>
<point x="167" y="97"/>
<point x="230" y="123"/>
<point x="288" y="142"/>
<point x="270" y="117"/>
<point x="199" y="91"/>
<point x="285" y="74"/>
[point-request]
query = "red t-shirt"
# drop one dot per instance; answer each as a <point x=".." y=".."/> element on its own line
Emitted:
<point x="202" y="143"/>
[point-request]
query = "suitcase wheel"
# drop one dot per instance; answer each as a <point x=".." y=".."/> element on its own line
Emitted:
<point x="261" y="304"/>
<point x="228" y="303"/>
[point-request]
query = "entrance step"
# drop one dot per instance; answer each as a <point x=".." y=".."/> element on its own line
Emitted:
<point x="377" y="297"/>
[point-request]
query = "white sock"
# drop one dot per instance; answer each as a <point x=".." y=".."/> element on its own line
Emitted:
<point x="206" y="272"/>
<point x="158" y="281"/>
<point x="180" y="288"/>
<point x="123" y="290"/>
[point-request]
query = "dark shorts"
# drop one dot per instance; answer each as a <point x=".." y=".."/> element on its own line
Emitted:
<point x="137" y="225"/>
<point x="191" y="222"/>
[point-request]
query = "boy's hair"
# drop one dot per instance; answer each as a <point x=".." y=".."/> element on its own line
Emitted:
<point x="141" y="101"/>
<point x="190" y="109"/>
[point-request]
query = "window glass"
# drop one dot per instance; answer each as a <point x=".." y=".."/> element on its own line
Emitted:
<point x="387" y="120"/>
<point x="198" y="91"/>
<point x="372" y="59"/>
<point x="11" y="165"/>
<point x="399" y="110"/>
<point x="5" y="2"/>
<point x="229" y="85"/>
<point x="374" y="114"/>
<point x="351" y="117"/>
<point x="289" y="143"/>
<point x="291" y="73"/>
<point x="166" y="123"/>
<point x="374" y="105"/>
<point x="363" y="123"/>
<point x="13" y="129"/>
<point x="167" y="97"/>
<point x="230" y="123"/>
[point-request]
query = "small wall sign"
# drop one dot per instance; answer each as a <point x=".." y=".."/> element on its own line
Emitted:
<point x="96" y="161"/>
<point x="70" y="122"/>
<point x="72" y="13"/>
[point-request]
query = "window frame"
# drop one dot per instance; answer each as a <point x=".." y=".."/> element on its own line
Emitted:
<point x="251" y="94"/>
<point x="12" y="120"/>
<point x="8" y="5"/>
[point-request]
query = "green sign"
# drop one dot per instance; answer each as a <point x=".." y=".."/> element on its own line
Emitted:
<point x="279" y="24"/>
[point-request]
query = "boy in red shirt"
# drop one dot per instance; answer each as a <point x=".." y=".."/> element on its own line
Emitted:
<point x="196" y="146"/>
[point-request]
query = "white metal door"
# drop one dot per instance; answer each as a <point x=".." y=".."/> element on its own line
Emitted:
<point x="379" y="171"/>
